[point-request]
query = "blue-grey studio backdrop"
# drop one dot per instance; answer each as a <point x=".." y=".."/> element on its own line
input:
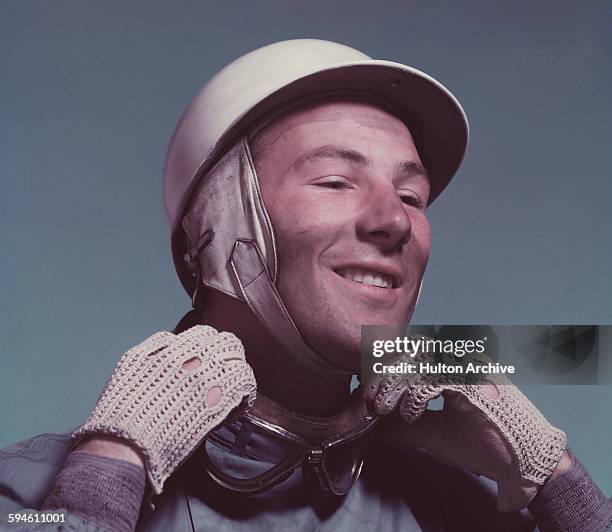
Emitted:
<point x="90" y="93"/>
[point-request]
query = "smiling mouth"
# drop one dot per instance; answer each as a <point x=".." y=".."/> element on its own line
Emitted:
<point x="368" y="277"/>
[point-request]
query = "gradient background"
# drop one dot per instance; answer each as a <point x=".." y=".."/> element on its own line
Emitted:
<point x="90" y="93"/>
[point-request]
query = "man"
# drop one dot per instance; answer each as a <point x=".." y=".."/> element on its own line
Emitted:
<point x="297" y="183"/>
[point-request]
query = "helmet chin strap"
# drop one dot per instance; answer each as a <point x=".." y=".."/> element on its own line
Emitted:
<point x="265" y="302"/>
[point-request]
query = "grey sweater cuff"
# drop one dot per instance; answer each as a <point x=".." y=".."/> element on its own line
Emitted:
<point x="572" y="502"/>
<point x="104" y="490"/>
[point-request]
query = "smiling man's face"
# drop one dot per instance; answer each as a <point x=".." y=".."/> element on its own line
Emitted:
<point x="346" y="193"/>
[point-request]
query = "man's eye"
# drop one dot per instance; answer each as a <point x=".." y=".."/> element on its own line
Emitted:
<point x="411" y="200"/>
<point x="334" y="185"/>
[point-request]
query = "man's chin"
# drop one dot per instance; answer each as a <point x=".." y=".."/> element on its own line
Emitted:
<point x="345" y="349"/>
<point x="344" y="352"/>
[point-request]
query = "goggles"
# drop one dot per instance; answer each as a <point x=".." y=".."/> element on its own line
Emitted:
<point x="330" y="451"/>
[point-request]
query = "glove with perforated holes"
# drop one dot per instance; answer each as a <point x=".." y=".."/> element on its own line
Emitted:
<point x="490" y="429"/>
<point x="168" y="392"/>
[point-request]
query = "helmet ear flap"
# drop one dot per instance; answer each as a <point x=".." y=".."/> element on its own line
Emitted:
<point x="193" y="259"/>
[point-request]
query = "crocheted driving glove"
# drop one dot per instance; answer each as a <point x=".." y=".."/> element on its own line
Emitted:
<point x="535" y="445"/>
<point x="156" y="396"/>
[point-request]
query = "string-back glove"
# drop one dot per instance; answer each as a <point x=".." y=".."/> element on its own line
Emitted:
<point x="488" y="429"/>
<point x="168" y="392"/>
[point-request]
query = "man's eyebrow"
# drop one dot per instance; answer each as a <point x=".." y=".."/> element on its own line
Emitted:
<point x="413" y="168"/>
<point x="333" y="152"/>
<point x="406" y="168"/>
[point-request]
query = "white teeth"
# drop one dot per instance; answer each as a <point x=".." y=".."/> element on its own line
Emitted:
<point x="379" y="281"/>
<point x="369" y="277"/>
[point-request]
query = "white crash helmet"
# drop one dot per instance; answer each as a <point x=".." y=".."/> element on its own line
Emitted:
<point x="222" y="237"/>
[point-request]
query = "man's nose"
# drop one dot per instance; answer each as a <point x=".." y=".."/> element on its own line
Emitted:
<point x="384" y="220"/>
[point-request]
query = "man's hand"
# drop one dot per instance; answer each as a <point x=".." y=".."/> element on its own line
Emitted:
<point x="486" y="429"/>
<point x="164" y="396"/>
